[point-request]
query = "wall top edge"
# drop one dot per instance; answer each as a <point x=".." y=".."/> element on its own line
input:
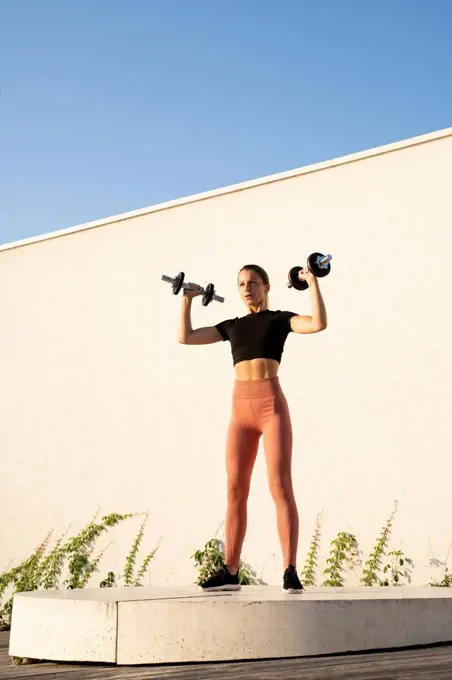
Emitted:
<point x="241" y="186"/>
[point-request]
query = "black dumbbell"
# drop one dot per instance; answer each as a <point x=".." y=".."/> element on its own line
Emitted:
<point x="178" y="282"/>
<point x="317" y="263"/>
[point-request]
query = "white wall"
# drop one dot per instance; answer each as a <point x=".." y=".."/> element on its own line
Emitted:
<point x="100" y="407"/>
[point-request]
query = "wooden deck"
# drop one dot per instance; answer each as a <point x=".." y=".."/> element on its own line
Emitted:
<point x="433" y="663"/>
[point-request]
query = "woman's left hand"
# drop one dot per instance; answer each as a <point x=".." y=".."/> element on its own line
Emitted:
<point x="306" y="275"/>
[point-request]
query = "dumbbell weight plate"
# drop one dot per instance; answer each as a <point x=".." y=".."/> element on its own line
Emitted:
<point x="294" y="281"/>
<point x="178" y="282"/>
<point x="317" y="270"/>
<point x="208" y="294"/>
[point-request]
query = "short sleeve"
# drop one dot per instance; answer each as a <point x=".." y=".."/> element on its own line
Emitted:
<point x="223" y="328"/>
<point x="285" y="318"/>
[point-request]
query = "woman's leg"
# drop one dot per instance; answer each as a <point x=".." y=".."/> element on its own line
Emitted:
<point x="241" y="451"/>
<point x="278" y="453"/>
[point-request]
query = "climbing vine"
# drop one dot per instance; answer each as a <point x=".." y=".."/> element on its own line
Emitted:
<point x="211" y="558"/>
<point x="375" y="560"/>
<point x="343" y="550"/>
<point x="308" y="576"/>
<point x="43" y="570"/>
<point x="393" y="573"/>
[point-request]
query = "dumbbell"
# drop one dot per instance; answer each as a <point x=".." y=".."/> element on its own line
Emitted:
<point x="177" y="284"/>
<point x="317" y="263"/>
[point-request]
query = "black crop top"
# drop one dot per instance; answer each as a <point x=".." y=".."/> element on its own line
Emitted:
<point x="257" y="336"/>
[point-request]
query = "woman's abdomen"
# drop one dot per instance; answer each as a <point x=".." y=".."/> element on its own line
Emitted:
<point x="256" y="369"/>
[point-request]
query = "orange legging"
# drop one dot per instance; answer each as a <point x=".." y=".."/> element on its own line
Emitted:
<point x="259" y="407"/>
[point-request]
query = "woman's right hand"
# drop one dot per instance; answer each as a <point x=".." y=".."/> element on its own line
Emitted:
<point x="193" y="291"/>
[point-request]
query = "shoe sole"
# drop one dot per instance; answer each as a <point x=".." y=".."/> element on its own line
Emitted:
<point x="218" y="588"/>
<point x="292" y="591"/>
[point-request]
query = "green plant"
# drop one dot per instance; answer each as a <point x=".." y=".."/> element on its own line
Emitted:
<point x="129" y="578"/>
<point x="23" y="660"/>
<point x="24" y="577"/>
<point x="80" y="548"/>
<point x="343" y="548"/>
<point x="131" y="557"/>
<point x="310" y="565"/>
<point x="374" y="563"/>
<point x="4" y="621"/>
<point x="446" y="581"/>
<point x="52" y="565"/>
<point x="247" y="575"/>
<point x="393" y="575"/>
<point x="109" y="581"/>
<point x="211" y="558"/>
<point x="44" y="571"/>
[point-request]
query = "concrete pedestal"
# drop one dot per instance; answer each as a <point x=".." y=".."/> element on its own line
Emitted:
<point x="170" y="625"/>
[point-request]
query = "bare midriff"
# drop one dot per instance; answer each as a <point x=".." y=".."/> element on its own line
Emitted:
<point x="256" y="369"/>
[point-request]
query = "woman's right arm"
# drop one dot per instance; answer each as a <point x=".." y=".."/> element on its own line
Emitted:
<point x="200" y="336"/>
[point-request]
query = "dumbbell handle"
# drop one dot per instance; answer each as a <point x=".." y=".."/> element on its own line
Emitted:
<point x="325" y="259"/>
<point x="187" y="286"/>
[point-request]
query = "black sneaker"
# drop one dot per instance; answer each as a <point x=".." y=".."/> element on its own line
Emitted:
<point x="222" y="580"/>
<point x="291" y="582"/>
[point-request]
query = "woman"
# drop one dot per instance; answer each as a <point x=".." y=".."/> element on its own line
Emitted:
<point x="259" y="408"/>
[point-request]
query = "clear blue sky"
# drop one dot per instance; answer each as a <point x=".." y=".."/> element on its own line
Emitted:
<point x="112" y="105"/>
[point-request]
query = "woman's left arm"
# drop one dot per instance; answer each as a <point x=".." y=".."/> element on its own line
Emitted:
<point x="318" y="321"/>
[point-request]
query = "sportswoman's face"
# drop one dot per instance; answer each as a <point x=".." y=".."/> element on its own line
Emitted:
<point x="252" y="288"/>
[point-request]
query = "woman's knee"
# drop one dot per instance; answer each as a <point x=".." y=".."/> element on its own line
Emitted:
<point x="238" y="490"/>
<point x="282" y="491"/>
